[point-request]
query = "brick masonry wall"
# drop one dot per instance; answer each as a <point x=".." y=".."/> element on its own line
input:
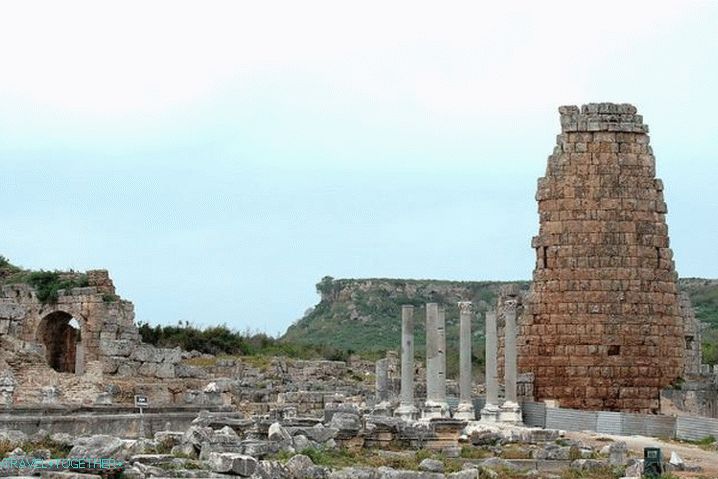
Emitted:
<point x="601" y="327"/>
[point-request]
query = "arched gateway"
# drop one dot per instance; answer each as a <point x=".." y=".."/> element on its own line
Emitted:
<point x="61" y="335"/>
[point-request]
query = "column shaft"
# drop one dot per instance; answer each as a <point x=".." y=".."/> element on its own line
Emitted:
<point x="466" y="407"/>
<point x="436" y="405"/>
<point x="510" y="354"/>
<point x="406" y="401"/>
<point x="492" y="381"/>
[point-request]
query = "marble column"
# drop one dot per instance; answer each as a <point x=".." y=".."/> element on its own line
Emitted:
<point x="382" y="406"/>
<point x="435" y="405"/>
<point x="510" y="411"/>
<point x="381" y="369"/>
<point x="490" y="411"/>
<point x="407" y="409"/>
<point x="465" y="410"/>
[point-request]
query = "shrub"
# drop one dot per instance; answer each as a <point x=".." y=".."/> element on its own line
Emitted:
<point x="47" y="284"/>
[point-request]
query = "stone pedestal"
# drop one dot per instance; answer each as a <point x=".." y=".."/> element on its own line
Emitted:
<point x="490" y="411"/>
<point x="510" y="411"/>
<point x="407" y="409"/>
<point x="465" y="410"/>
<point x="435" y="405"/>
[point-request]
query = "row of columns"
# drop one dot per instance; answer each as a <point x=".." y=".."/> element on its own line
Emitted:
<point x="436" y="404"/>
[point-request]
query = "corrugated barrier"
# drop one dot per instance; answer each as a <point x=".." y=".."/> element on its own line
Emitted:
<point x="536" y="414"/>
<point x="696" y="428"/>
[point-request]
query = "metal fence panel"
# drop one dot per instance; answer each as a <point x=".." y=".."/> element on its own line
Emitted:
<point x="571" y="419"/>
<point x="633" y="424"/>
<point x="534" y="413"/>
<point x="660" y="426"/>
<point x="609" y="422"/>
<point x="696" y="428"/>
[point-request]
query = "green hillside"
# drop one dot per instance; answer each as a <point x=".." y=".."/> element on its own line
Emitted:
<point x="363" y="315"/>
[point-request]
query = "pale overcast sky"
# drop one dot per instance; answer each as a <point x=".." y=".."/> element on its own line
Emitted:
<point x="219" y="158"/>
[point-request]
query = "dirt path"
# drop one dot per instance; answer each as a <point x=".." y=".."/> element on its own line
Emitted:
<point x="692" y="455"/>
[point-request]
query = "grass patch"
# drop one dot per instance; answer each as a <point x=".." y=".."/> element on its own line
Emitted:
<point x="473" y="452"/>
<point x="706" y="441"/>
<point x="56" y="449"/>
<point x="343" y="457"/>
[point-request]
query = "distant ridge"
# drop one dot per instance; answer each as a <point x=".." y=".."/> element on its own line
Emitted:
<point x="363" y="315"/>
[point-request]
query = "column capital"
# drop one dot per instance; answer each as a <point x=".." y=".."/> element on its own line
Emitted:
<point x="465" y="307"/>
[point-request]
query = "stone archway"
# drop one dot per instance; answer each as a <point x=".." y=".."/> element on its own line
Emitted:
<point x="60" y="333"/>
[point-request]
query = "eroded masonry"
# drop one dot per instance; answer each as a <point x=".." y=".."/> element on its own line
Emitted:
<point x="602" y="327"/>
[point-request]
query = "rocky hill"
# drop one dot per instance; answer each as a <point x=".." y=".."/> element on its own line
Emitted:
<point x="363" y="315"/>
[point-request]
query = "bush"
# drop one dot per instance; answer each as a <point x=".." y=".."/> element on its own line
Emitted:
<point x="222" y="340"/>
<point x="47" y="284"/>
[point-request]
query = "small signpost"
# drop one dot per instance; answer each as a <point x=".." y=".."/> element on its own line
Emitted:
<point x="652" y="462"/>
<point x="141" y="402"/>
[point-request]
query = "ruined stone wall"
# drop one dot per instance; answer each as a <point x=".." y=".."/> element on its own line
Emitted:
<point x="101" y="315"/>
<point x="693" y="335"/>
<point x="602" y="327"/>
<point x="52" y="360"/>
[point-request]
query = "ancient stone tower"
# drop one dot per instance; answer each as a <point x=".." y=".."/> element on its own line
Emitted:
<point x="602" y="327"/>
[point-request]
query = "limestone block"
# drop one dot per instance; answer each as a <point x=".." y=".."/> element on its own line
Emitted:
<point x="168" y="355"/>
<point x="320" y="433"/>
<point x="343" y="421"/>
<point x="301" y="466"/>
<point x="257" y="448"/>
<point x="145" y="353"/>
<point x="431" y="465"/>
<point x="189" y="371"/>
<point x="118" y="347"/>
<point x="278" y="433"/>
<point x="12" y="311"/>
<point x="97" y="446"/>
<point x="196" y="435"/>
<point x="301" y="442"/>
<point x="232" y="463"/>
<point x="104" y="399"/>
<point x="148" y="369"/>
<point x="271" y="469"/>
<point x="165" y="371"/>
<point x="127" y="368"/>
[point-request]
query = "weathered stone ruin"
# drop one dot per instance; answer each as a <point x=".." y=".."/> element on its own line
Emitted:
<point x="84" y="349"/>
<point x="602" y="328"/>
<point x="88" y="332"/>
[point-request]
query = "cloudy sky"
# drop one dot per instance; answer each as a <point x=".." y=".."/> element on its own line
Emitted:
<point x="219" y="158"/>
